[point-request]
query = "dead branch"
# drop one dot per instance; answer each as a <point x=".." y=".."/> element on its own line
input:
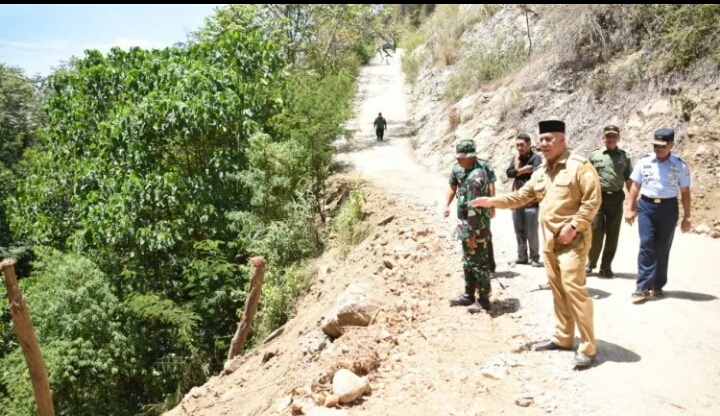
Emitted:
<point x="28" y="341"/>
<point x="251" y="305"/>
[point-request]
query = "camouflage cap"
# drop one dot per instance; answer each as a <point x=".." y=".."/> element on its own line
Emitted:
<point x="465" y="148"/>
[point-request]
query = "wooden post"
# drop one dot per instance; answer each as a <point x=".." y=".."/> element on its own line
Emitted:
<point x="28" y="341"/>
<point x="251" y="305"/>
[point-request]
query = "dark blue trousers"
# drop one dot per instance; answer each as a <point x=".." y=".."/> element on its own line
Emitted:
<point x="656" y="222"/>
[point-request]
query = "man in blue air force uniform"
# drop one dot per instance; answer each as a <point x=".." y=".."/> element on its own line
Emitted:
<point x="657" y="177"/>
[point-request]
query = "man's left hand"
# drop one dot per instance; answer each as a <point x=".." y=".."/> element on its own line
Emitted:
<point x="566" y="235"/>
<point x="685" y="225"/>
<point x="481" y="202"/>
<point x="492" y="212"/>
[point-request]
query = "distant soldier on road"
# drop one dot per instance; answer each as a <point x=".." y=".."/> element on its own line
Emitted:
<point x="568" y="190"/>
<point x="614" y="167"/>
<point x="658" y="177"/>
<point x="380" y="125"/>
<point x="470" y="179"/>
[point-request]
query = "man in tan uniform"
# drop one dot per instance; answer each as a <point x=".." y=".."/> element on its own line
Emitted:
<point x="568" y="189"/>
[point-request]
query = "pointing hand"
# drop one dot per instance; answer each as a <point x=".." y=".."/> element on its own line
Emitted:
<point x="481" y="202"/>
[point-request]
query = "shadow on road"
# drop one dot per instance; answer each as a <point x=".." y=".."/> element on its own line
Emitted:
<point x="507" y="274"/>
<point x="503" y="306"/>
<point x="609" y="352"/>
<point x="632" y="276"/>
<point x="694" y="296"/>
<point x="597" y="293"/>
<point x="367" y="140"/>
<point x="339" y="166"/>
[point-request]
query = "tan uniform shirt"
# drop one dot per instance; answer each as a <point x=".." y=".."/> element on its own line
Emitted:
<point x="568" y="193"/>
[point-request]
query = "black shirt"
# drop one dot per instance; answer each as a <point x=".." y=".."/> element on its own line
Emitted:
<point x="532" y="159"/>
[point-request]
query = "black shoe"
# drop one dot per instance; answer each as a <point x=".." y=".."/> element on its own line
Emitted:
<point x="658" y="293"/>
<point x="581" y="360"/>
<point x="462" y="300"/>
<point x="606" y="273"/>
<point x="536" y="263"/>
<point x="518" y="261"/>
<point x="548" y="346"/>
<point x="639" y="296"/>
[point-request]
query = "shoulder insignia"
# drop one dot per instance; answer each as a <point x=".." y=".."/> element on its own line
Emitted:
<point x="588" y="175"/>
<point x="578" y="158"/>
<point x="678" y="157"/>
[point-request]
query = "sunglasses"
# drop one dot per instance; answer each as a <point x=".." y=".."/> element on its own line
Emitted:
<point x="659" y="146"/>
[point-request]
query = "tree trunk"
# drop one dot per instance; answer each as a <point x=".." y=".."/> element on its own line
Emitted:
<point x="251" y="305"/>
<point x="526" y="9"/>
<point x="28" y="341"/>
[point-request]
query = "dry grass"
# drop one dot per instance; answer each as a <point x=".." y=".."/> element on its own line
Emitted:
<point x="487" y="63"/>
<point x="453" y="119"/>
<point x="441" y="35"/>
<point x="676" y="34"/>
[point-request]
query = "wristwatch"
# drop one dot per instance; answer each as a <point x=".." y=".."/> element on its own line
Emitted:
<point x="686" y="218"/>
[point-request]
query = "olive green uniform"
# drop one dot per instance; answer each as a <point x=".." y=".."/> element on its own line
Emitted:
<point x="613" y="168"/>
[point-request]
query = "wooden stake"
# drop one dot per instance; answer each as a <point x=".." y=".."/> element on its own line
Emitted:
<point x="251" y="305"/>
<point x="28" y="341"/>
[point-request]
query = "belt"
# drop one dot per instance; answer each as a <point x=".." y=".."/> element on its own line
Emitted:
<point x="658" y="200"/>
<point x="612" y="192"/>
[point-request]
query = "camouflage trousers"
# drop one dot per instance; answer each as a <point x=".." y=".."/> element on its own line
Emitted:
<point x="476" y="266"/>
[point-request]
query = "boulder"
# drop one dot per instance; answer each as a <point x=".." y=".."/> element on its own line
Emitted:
<point x="356" y="306"/>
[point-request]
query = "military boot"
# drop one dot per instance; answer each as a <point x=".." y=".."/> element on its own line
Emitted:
<point x="483" y="301"/>
<point x="466" y="298"/>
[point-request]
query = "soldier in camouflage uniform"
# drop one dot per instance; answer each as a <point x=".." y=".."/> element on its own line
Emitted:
<point x="470" y="179"/>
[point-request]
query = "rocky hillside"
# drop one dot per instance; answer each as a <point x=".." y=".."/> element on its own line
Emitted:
<point x="487" y="72"/>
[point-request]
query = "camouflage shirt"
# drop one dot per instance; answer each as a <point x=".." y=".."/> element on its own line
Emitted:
<point x="473" y="221"/>
<point x="458" y="175"/>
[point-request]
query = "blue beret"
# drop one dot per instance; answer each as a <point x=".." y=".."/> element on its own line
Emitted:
<point x="663" y="136"/>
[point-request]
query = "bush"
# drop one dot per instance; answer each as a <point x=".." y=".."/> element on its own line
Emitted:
<point x="676" y="34"/>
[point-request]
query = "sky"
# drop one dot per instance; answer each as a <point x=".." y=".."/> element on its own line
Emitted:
<point x="38" y="37"/>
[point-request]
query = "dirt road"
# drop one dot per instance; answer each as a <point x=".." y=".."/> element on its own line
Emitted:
<point x="655" y="358"/>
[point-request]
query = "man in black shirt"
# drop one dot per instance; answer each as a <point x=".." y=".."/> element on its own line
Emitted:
<point x="380" y="125"/>
<point x="525" y="219"/>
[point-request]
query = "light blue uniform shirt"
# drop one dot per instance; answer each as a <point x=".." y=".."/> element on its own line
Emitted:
<point x="661" y="179"/>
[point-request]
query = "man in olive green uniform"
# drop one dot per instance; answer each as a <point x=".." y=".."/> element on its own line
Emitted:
<point x="568" y="190"/>
<point x="614" y="167"/>
<point x="471" y="177"/>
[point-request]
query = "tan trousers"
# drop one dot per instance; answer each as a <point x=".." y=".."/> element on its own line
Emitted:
<point x="573" y="305"/>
